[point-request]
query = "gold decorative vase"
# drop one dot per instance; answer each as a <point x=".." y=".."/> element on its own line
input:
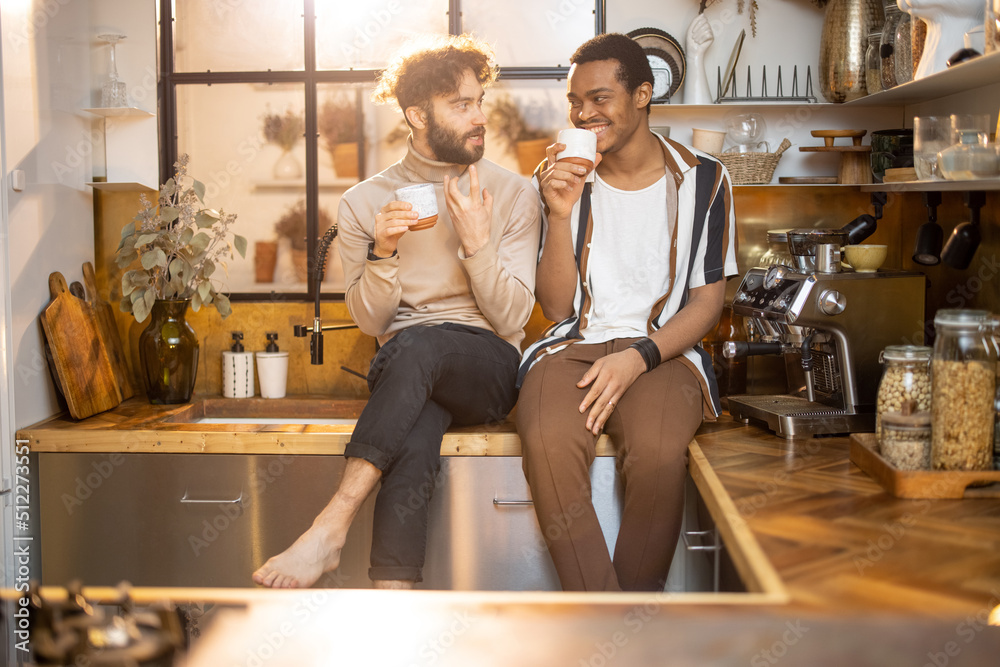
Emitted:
<point x="842" y="47"/>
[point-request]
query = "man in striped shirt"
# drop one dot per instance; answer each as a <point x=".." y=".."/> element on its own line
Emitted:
<point x="632" y="270"/>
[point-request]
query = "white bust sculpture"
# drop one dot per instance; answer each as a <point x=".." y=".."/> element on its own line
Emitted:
<point x="947" y="22"/>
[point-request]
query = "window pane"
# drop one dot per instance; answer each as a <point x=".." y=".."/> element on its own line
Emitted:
<point x="239" y="157"/>
<point x="248" y="35"/>
<point x="352" y="33"/>
<point x="523" y="117"/>
<point x="552" y="28"/>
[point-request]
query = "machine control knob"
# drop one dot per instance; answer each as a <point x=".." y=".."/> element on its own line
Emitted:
<point x="774" y="276"/>
<point x="832" y="302"/>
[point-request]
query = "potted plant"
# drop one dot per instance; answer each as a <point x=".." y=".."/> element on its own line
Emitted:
<point x="292" y="226"/>
<point x="179" y="244"/>
<point x="285" y="131"/>
<point x="337" y="123"/>
<point x="509" y="119"/>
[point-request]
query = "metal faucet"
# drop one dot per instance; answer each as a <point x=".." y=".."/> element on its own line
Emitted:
<point x="317" y="328"/>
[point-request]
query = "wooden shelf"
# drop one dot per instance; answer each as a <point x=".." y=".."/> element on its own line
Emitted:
<point x="118" y="111"/>
<point x="969" y="75"/>
<point x="985" y="184"/>
<point x="121" y="187"/>
<point x="300" y="184"/>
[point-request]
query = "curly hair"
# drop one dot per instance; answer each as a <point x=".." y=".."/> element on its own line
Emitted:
<point x="434" y="67"/>
<point x="633" y="66"/>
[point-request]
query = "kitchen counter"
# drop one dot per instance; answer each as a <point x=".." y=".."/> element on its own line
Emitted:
<point x="801" y="522"/>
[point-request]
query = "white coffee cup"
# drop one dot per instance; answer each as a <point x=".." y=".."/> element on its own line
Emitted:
<point x="424" y="200"/>
<point x="709" y="141"/>
<point x="581" y="147"/>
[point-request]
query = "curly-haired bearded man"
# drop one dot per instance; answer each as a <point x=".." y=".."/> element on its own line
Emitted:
<point x="448" y="306"/>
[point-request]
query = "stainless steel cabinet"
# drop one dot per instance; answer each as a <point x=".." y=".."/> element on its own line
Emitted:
<point x="210" y="520"/>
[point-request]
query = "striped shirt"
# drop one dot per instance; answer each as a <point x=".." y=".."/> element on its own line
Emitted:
<point x="702" y="251"/>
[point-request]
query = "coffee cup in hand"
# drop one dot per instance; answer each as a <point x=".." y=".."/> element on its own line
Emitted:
<point x="581" y="147"/>
<point x="423" y="198"/>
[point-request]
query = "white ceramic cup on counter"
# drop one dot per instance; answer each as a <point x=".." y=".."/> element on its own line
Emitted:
<point x="581" y="147"/>
<point x="272" y="372"/>
<point x="423" y="198"/>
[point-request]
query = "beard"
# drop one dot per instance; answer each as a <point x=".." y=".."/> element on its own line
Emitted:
<point x="449" y="146"/>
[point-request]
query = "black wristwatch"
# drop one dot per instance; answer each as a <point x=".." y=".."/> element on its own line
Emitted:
<point x="373" y="257"/>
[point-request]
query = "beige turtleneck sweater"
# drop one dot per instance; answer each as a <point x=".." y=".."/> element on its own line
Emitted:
<point x="430" y="280"/>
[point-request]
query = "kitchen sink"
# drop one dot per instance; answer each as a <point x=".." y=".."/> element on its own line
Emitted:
<point x="273" y="420"/>
<point x="298" y="409"/>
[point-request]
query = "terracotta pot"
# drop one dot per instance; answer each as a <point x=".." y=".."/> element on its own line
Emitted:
<point x="265" y="257"/>
<point x="345" y="160"/>
<point x="300" y="260"/>
<point x="530" y="154"/>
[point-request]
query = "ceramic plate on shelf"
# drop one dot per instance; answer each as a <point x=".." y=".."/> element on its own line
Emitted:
<point x="666" y="57"/>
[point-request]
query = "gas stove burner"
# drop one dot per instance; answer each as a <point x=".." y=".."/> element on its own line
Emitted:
<point x="75" y="631"/>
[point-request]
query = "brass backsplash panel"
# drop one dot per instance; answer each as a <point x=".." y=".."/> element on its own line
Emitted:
<point x="758" y="209"/>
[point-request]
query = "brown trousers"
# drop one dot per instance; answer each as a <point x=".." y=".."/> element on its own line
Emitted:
<point x="651" y="428"/>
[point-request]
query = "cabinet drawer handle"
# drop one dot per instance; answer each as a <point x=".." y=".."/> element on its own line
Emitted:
<point x="498" y="502"/>
<point x="238" y="500"/>
<point x="701" y="547"/>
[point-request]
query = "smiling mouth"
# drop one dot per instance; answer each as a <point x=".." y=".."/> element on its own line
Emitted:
<point x="597" y="129"/>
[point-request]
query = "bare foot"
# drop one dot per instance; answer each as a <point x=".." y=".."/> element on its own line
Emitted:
<point x="299" y="566"/>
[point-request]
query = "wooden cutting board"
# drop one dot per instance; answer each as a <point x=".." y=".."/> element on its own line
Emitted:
<point x="108" y="330"/>
<point x="81" y="361"/>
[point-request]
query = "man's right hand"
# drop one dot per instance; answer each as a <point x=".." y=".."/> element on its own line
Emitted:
<point x="391" y="223"/>
<point x="562" y="183"/>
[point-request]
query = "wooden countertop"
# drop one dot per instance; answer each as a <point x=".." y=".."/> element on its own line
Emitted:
<point x="796" y="515"/>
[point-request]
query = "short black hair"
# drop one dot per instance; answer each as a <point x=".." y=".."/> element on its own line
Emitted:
<point x="633" y="65"/>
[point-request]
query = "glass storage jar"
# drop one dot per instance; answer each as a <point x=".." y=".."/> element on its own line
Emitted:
<point x="873" y="64"/>
<point x="777" y="250"/>
<point x="906" y="440"/>
<point x="903" y="50"/>
<point x="888" y="46"/>
<point x="905" y="378"/>
<point x="963" y="391"/>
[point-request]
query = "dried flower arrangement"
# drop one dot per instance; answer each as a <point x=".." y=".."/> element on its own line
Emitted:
<point x="753" y="9"/>
<point x="508" y="119"/>
<point x="179" y="244"/>
<point x="284" y="131"/>
<point x="337" y="122"/>
<point x="292" y="224"/>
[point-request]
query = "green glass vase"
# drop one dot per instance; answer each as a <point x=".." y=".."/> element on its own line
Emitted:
<point x="168" y="353"/>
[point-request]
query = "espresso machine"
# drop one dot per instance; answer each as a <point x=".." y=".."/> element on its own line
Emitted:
<point x="830" y="324"/>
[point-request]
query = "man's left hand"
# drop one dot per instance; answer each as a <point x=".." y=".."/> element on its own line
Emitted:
<point x="609" y="378"/>
<point x="471" y="215"/>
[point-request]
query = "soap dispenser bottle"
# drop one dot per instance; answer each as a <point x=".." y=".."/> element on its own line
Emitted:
<point x="272" y="369"/>
<point x="237" y="370"/>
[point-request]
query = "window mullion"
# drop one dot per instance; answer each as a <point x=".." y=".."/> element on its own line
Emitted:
<point x="312" y="144"/>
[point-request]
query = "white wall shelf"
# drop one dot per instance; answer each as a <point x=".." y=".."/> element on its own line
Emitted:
<point x="111" y="112"/>
<point x="967" y="76"/>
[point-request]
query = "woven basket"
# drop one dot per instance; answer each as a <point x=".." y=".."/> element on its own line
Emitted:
<point x="752" y="168"/>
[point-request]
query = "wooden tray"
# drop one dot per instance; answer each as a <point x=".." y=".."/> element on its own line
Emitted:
<point x="919" y="483"/>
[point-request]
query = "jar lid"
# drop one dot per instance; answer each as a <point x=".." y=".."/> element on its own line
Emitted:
<point x="907" y="353"/>
<point x="777" y="236"/>
<point x="960" y="317"/>
<point x="898" y="419"/>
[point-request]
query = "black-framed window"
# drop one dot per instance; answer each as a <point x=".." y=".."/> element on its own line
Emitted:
<point x="235" y="74"/>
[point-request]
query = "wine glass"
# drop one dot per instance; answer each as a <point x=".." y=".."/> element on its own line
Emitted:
<point x="113" y="89"/>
